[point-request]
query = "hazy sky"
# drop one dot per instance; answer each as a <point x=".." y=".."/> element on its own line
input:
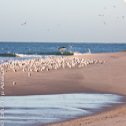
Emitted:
<point x="63" y="20"/>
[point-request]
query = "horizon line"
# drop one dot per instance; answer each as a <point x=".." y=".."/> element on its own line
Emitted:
<point x="62" y="42"/>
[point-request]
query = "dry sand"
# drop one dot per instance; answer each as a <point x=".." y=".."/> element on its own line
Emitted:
<point x="109" y="77"/>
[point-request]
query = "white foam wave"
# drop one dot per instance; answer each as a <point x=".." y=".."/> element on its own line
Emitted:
<point x="27" y="56"/>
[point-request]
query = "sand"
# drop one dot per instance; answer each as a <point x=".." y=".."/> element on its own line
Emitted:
<point x="115" y="117"/>
<point x="108" y="77"/>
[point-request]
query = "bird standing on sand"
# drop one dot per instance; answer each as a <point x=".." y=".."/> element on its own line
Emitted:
<point x="14" y="83"/>
<point x="29" y="74"/>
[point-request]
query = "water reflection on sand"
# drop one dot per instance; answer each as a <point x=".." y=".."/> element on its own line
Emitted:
<point x="42" y="109"/>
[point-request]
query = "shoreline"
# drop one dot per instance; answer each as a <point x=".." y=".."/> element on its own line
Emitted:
<point x="97" y="119"/>
<point x="105" y="77"/>
<point x="96" y="112"/>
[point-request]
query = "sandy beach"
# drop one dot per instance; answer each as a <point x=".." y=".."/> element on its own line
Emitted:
<point x="63" y="63"/>
<point x="108" y="75"/>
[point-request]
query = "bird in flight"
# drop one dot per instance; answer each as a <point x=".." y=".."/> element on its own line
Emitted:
<point x="24" y="23"/>
<point x="123" y="17"/>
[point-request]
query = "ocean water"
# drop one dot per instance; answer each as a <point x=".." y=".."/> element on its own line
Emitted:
<point x="20" y="51"/>
<point x="52" y="48"/>
<point x="43" y="109"/>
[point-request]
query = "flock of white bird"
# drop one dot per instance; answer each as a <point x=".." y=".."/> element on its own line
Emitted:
<point x="47" y="64"/>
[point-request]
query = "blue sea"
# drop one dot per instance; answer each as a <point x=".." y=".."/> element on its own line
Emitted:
<point x="27" y="49"/>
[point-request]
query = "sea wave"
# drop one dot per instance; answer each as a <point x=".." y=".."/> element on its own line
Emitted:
<point x="7" y="55"/>
<point x="34" y="54"/>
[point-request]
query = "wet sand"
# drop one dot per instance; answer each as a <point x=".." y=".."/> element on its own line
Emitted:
<point x="108" y="77"/>
<point x="44" y="109"/>
<point x="114" y="117"/>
